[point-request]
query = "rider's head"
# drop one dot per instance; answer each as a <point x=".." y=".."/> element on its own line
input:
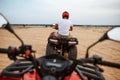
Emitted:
<point x="65" y="14"/>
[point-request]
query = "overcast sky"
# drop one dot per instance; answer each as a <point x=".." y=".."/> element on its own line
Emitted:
<point x="82" y="12"/>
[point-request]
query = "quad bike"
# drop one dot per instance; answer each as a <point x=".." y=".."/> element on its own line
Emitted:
<point x="63" y="46"/>
<point x="53" y="66"/>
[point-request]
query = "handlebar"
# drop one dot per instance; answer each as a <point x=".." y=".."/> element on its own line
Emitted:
<point x="13" y="52"/>
<point x="3" y="50"/>
<point x="98" y="60"/>
<point x="111" y="64"/>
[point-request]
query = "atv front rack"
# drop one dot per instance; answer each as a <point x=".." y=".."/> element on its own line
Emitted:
<point x="18" y="68"/>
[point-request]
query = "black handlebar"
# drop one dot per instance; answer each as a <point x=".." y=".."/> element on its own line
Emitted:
<point x="98" y="60"/>
<point x="3" y="50"/>
<point x="110" y="64"/>
<point x="13" y="52"/>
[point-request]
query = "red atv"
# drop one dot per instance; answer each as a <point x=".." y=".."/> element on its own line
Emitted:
<point x="54" y="66"/>
<point x="63" y="46"/>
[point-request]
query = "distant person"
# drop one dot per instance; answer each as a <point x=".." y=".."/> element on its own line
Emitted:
<point x="64" y="26"/>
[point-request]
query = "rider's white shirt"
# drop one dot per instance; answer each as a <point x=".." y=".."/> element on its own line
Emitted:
<point x="64" y="26"/>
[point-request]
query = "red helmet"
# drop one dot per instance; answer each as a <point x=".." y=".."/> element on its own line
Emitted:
<point x="65" y="14"/>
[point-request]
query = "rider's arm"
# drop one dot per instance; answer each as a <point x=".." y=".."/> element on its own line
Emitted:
<point x="55" y="26"/>
<point x="71" y="28"/>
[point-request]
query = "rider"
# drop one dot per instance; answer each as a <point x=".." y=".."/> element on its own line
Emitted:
<point x="64" y="26"/>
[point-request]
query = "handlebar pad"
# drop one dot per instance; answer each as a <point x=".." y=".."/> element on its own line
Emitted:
<point x="3" y="50"/>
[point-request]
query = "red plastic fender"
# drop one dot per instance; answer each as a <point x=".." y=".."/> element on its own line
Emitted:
<point x="31" y="76"/>
<point x="34" y="76"/>
<point x="9" y="78"/>
<point x="73" y="76"/>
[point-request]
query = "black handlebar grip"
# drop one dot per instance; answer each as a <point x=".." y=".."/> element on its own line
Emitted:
<point x="102" y="62"/>
<point x="111" y="64"/>
<point x="3" y="50"/>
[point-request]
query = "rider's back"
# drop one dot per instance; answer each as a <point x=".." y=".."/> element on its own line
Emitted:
<point x="64" y="26"/>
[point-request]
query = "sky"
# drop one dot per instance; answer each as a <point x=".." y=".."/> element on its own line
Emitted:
<point x="82" y="12"/>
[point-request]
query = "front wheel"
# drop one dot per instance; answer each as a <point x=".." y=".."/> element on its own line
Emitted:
<point x="73" y="52"/>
